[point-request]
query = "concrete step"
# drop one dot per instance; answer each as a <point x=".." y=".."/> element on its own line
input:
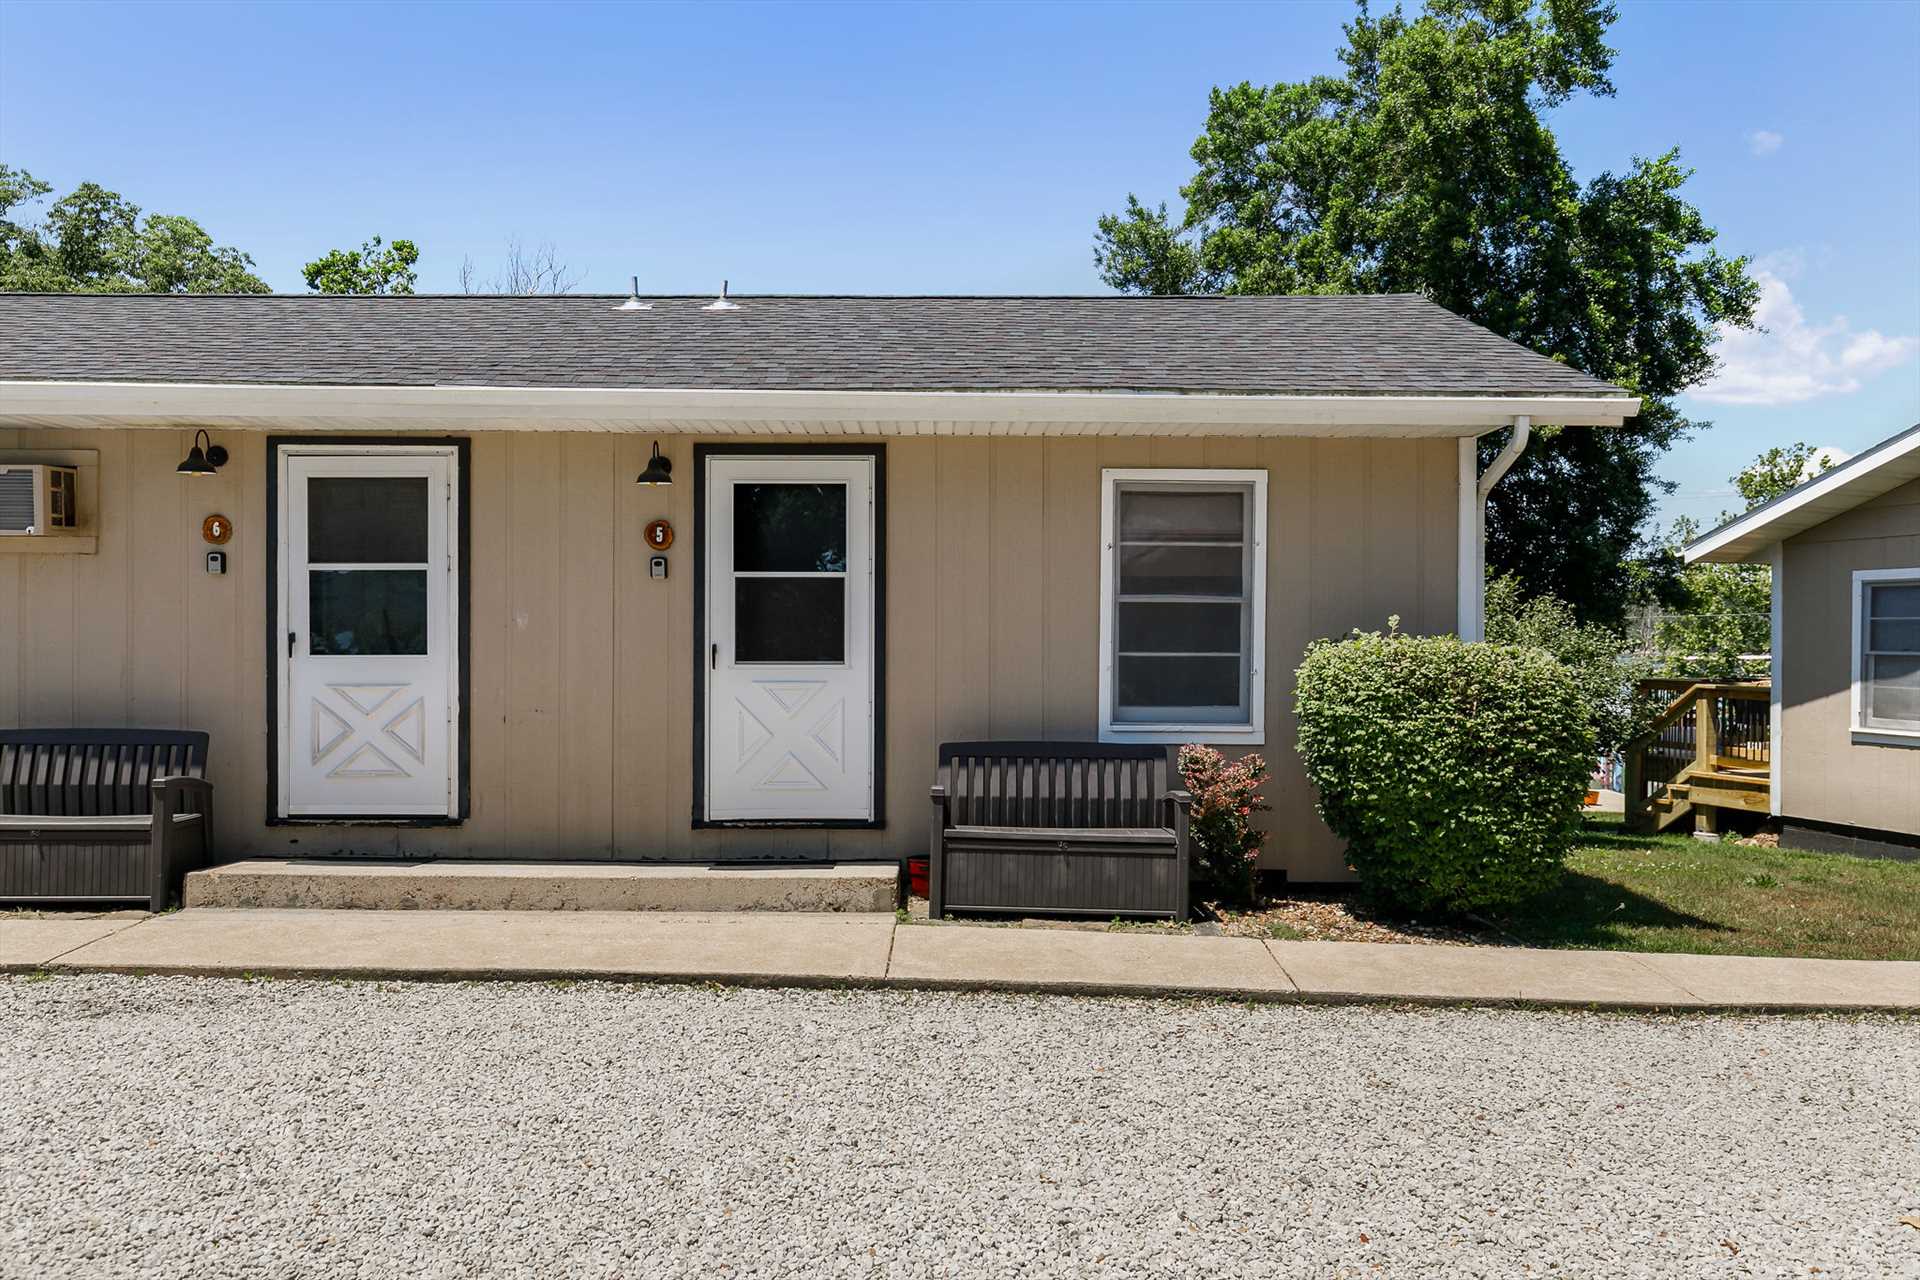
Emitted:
<point x="542" y="886"/>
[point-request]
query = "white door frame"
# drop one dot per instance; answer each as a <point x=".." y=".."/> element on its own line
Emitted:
<point x="718" y="466"/>
<point x="283" y="457"/>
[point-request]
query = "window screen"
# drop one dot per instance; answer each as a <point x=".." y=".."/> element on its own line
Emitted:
<point x="1890" y="656"/>
<point x="1182" y="625"/>
<point x="366" y="519"/>
<point x="790" y="572"/>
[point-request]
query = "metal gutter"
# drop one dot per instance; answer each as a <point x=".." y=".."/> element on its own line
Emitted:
<point x="30" y="403"/>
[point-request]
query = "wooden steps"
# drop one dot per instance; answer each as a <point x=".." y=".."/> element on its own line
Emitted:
<point x="1708" y="751"/>
<point x="1710" y="788"/>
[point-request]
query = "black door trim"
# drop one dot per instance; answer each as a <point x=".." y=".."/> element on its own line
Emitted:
<point x="877" y="452"/>
<point x="463" y="449"/>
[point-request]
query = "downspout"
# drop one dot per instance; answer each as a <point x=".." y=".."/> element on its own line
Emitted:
<point x="1516" y="443"/>
<point x="1473" y="524"/>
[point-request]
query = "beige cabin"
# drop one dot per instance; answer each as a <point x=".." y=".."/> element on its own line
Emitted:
<point x="589" y="578"/>
<point x="1845" y="552"/>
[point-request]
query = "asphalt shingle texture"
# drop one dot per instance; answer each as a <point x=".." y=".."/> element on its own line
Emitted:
<point x="1378" y="345"/>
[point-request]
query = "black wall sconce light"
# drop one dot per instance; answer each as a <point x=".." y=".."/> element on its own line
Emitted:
<point x="659" y="470"/>
<point x="203" y="462"/>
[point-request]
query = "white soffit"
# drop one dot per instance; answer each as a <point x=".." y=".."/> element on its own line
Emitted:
<point x="1861" y="478"/>
<point x="117" y="404"/>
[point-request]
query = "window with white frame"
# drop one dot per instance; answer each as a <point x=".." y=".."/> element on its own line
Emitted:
<point x="1183" y="603"/>
<point x="1886" y="679"/>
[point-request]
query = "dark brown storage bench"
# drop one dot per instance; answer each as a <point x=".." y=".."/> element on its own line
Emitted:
<point x="1075" y="828"/>
<point x="102" y="815"/>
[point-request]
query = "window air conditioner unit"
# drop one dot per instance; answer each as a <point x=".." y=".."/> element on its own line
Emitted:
<point x="38" y="500"/>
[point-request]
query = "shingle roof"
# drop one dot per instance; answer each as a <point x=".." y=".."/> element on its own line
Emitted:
<point x="1377" y="345"/>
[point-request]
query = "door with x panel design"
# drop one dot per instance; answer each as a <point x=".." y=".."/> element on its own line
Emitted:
<point x="791" y="645"/>
<point x="368" y="583"/>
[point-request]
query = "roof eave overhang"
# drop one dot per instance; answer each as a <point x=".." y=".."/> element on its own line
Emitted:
<point x="1745" y="548"/>
<point x="1746" y="540"/>
<point x="667" y="409"/>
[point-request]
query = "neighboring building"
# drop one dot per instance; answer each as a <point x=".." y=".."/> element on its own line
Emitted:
<point x="449" y="623"/>
<point x="1845" y="551"/>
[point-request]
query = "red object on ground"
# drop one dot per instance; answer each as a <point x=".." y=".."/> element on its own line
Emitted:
<point x="917" y="876"/>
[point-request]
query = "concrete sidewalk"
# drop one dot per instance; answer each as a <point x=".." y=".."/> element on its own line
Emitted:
<point x="788" y="948"/>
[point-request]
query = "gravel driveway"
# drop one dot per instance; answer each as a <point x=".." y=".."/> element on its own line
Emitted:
<point x="184" y="1128"/>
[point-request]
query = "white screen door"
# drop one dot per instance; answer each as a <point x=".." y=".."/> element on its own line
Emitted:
<point x="368" y="618"/>
<point x="790" y="638"/>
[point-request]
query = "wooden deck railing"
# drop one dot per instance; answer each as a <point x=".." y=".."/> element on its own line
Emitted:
<point x="1710" y="748"/>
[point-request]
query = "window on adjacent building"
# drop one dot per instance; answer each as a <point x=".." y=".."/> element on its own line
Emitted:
<point x="1887" y="650"/>
<point x="1183" y="594"/>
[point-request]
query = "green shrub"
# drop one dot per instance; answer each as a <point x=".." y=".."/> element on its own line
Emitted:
<point x="1607" y="672"/>
<point x="1454" y="771"/>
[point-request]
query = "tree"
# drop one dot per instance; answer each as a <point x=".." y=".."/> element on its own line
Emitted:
<point x="1776" y="471"/>
<point x="525" y="271"/>
<point x="1726" y="610"/>
<point x="368" y="269"/>
<point x="1599" y="657"/>
<point x="1428" y="168"/>
<point x="94" y="241"/>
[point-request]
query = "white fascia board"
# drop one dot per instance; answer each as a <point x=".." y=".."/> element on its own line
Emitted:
<point x="172" y="404"/>
<point x="1881" y="469"/>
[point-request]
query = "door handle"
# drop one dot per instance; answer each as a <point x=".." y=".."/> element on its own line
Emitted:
<point x="289" y="644"/>
<point x="713" y="661"/>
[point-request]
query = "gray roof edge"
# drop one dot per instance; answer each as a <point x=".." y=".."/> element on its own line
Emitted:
<point x="1605" y="391"/>
<point x="736" y="295"/>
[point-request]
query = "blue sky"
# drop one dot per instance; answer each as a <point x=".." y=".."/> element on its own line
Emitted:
<point x="945" y="149"/>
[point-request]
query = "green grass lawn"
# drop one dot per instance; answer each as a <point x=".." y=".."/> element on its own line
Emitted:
<point x="1626" y="892"/>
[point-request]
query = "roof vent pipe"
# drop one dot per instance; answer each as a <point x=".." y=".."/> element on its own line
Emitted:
<point x="633" y="302"/>
<point x="1474" y="488"/>
<point x="722" y="303"/>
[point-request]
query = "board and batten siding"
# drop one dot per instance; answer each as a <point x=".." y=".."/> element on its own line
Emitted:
<point x="581" y="667"/>
<point x="1825" y="775"/>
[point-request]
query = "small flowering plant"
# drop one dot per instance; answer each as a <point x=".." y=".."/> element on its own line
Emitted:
<point x="1226" y="795"/>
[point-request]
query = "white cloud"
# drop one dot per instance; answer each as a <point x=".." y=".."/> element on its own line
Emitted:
<point x="1823" y="458"/>
<point x="1782" y="264"/>
<point x="1764" y="142"/>
<point x="1785" y="360"/>
<point x="1874" y="351"/>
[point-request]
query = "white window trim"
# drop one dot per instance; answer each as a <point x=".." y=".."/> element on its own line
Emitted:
<point x="1251" y="733"/>
<point x="1856" y="717"/>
